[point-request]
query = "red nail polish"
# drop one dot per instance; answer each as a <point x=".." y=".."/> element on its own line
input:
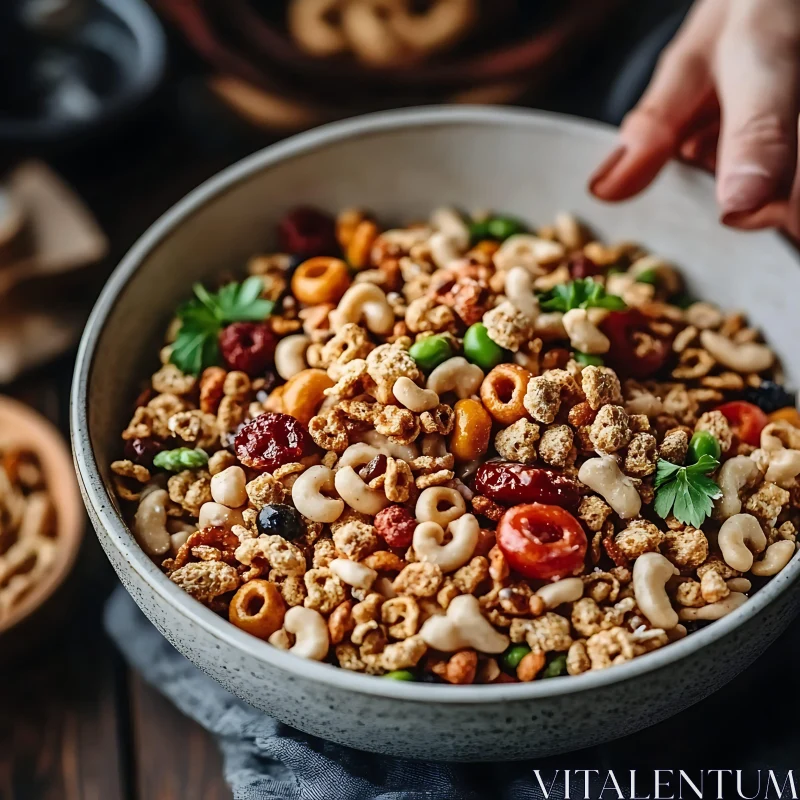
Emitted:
<point x="606" y="167"/>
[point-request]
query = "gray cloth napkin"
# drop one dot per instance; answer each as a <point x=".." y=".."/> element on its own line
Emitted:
<point x="266" y="760"/>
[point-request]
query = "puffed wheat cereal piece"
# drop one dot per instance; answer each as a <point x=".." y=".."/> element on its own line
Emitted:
<point x="594" y="512"/>
<point x="206" y="580"/>
<point x="385" y="364"/>
<point x="548" y="633"/>
<point x="601" y="387"/>
<point x="508" y="327"/>
<point x="611" y="429"/>
<point x="420" y="579"/>
<point x="518" y="441"/>
<point x="555" y="446"/>
<point x="715" y="422"/>
<point x="674" y="446"/>
<point x="542" y="399"/>
<point x="638" y="538"/>
<point x="641" y="456"/>
<point x="685" y="548"/>
<point x="355" y="540"/>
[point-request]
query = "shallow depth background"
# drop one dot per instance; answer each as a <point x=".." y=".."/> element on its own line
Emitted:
<point x="75" y="723"/>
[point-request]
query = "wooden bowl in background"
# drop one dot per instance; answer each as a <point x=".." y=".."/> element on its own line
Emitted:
<point x="21" y="426"/>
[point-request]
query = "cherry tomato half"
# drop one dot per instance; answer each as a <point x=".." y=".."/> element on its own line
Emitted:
<point x="746" y="420"/>
<point x="621" y="328"/>
<point x="541" y="541"/>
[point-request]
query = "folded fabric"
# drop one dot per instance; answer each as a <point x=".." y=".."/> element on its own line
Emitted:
<point x="266" y="760"/>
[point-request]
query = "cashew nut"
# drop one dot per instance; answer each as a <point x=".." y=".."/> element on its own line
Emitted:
<point x="357" y="455"/>
<point x="215" y="515"/>
<point x="456" y="375"/>
<point x="746" y="357"/>
<point x="519" y="291"/>
<point x="462" y="626"/>
<point x="427" y="508"/>
<point x="739" y="585"/>
<point x="569" y="231"/>
<point x="444" y="250"/>
<point x="352" y="573"/>
<point x="778" y="555"/>
<point x="310" y="631"/>
<point x="228" y="487"/>
<point x="389" y="448"/>
<point x="567" y="590"/>
<point x="371" y="34"/>
<point x="551" y="325"/>
<point x="449" y="222"/>
<point x="367" y="302"/>
<point x="404" y="238"/>
<point x="604" y="476"/>
<point x="290" y="355"/>
<point x="677" y="633"/>
<point x="583" y="334"/>
<point x="734" y="475"/>
<point x="441" y="26"/>
<point x="308" y="498"/>
<point x="780" y="435"/>
<point x="735" y="534"/>
<point x="704" y="315"/>
<point x="651" y="571"/>
<point x="714" y="611"/>
<point x="783" y="468"/>
<point x="352" y="489"/>
<point x="414" y="397"/>
<point x="666" y="275"/>
<point x="308" y="23"/>
<point x="531" y="252"/>
<point x="150" y="523"/>
<point x="428" y="537"/>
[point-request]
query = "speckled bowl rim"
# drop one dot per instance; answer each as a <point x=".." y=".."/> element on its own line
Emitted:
<point x="114" y="530"/>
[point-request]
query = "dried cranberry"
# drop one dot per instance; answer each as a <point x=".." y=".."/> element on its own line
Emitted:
<point x="271" y="440"/>
<point x="142" y="451"/>
<point x="396" y="526"/>
<point x="308" y="232"/>
<point x="581" y="266"/>
<point x="511" y="483"/>
<point x="623" y="328"/>
<point x="248" y="346"/>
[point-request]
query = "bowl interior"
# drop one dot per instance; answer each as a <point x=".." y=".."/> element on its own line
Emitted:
<point x="401" y="165"/>
<point x="23" y="427"/>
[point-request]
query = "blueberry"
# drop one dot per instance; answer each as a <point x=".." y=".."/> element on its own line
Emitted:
<point x="278" y="519"/>
<point x="769" y="396"/>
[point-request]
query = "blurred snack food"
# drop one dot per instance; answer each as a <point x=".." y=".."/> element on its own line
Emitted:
<point x="289" y="65"/>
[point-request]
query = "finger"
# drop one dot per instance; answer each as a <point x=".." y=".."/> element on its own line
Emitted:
<point x="758" y="81"/>
<point x="771" y="215"/>
<point x="700" y="147"/>
<point x="681" y="89"/>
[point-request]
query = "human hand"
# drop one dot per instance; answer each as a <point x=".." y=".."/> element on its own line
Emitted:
<point x="725" y="96"/>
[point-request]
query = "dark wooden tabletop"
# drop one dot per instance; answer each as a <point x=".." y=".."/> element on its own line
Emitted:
<point x="75" y="722"/>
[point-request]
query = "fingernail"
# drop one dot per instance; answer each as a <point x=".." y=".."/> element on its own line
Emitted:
<point x="606" y="167"/>
<point x="745" y="189"/>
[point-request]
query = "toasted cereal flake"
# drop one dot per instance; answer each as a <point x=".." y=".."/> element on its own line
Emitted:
<point x="206" y="580"/>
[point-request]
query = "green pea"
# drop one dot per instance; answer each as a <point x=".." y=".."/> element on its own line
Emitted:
<point x="430" y="352"/>
<point x="502" y="227"/>
<point x="558" y="666"/>
<point x="703" y="443"/>
<point x="511" y="658"/>
<point x="400" y="675"/>
<point x="648" y="276"/>
<point x="478" y="231"/>
<point x="180" y="458"/>
<point x="587" y="360"/>
<point x="481" y="350"/>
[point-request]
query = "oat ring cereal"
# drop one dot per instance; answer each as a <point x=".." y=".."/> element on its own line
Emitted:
<point x="462" y="451"/>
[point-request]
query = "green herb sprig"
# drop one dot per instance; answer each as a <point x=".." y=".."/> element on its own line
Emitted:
<point x="580" y="293"/>
<point x="203" y="317"/>
<point x="686" y="492"/>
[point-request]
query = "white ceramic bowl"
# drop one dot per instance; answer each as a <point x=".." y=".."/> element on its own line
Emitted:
<point x="401" y="165"/>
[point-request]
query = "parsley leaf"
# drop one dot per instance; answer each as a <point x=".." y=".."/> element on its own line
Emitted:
<point x="203" y="317"/>
<point x="686" y="492"/>
<point x="580" y="293"/>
